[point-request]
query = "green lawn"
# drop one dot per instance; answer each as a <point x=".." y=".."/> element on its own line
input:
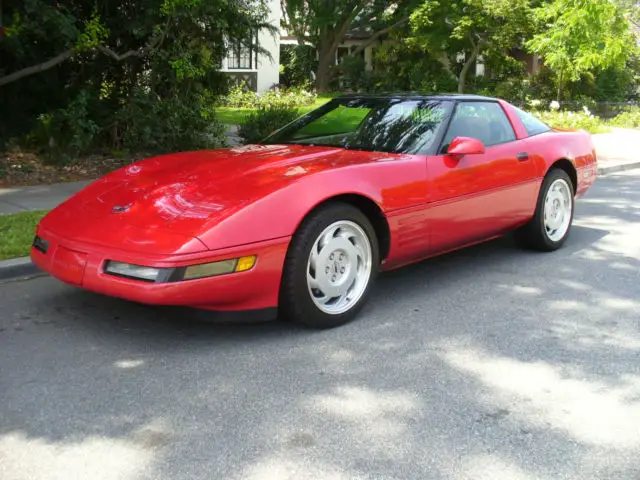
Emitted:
<point x="236" y="116"/>
<point x="16" y="233"/>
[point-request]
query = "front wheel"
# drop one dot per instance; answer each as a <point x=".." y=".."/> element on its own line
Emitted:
<point x="551" y="223"/>
<point x="330" y="267"/>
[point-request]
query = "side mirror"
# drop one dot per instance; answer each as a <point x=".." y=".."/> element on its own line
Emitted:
<point x="465" y="146"/>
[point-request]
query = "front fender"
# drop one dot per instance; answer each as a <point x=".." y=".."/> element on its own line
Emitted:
<point x="392" y="185"/>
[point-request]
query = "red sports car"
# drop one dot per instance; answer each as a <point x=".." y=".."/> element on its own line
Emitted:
<point x="302" y="222"/>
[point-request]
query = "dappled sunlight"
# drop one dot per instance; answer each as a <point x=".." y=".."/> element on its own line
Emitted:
<point x="566" y="305"/>
<point x="547" y="396"/>
<point x="91" y="457"/>
<point x="621" y="239"/>
<point x="379" y="417"/>
<point x="287" y="467"/>
<point x="622" y="304"/>
<point x="623" y="266"/>
<point x="574" y="285"/>
<point x="598" y="221"/>
<point x="127" y="364"/>
<point x="522" y="290"/>
<point x="490" y="467"/>
<point x="599" y="335"/>
<point x="363" y="403"/>
<point x="340" y="356"/>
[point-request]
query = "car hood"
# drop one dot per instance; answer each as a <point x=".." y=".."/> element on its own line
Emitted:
<point x="186" y="193"/>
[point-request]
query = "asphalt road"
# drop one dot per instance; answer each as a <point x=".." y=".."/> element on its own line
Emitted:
<point x="492" y="363"/>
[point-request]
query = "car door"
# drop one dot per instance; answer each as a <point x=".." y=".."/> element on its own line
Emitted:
<point x="478" y="196"/>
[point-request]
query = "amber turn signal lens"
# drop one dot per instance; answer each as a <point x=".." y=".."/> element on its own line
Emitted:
<point x="219" y="268"/>
<point x="245" y="263"/>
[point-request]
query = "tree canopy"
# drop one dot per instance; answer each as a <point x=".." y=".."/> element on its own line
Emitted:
<point x="110" y="55"/>
<point x="325" y="25"/>
<point x="471" y="27"/>
<point x="580" y="36"/>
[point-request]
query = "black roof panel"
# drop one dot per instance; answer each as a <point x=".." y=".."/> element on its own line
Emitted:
<point x="418" y="96"/>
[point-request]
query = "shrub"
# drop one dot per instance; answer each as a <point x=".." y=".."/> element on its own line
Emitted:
<point x="515" y="90"/>
<point x="405" y="66"/>
<point x="150" y="123"/>
<point x="265" y="120"/>
<point x="630" y="118"/>
<point x="584" y="120"/>
<point x="241" y="97"/>
<point x="296" y="64"/>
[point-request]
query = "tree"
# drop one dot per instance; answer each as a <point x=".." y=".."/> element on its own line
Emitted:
<point x="324" y="24"/>
<point x="106" y="56"/>
<point x="581" y="36"/>
<point x="472" y="27"/>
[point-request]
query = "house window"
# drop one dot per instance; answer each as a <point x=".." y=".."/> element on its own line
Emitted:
<point x="241" y="56"/>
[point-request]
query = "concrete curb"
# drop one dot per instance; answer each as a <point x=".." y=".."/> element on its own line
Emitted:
<point x="18" y="268"/>
<point x="622" y="167"/>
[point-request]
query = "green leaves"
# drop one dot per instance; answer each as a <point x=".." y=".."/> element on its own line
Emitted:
<point x="473" y="27"/>
<point x="578" y="36"/>
<point x="94" y="34"/>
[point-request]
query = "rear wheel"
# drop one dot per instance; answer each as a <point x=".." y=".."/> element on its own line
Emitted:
<point x="330" y="267"/>
<point x="551" y="223"/>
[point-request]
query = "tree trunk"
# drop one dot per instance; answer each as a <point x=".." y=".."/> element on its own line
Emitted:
<point x="559" y="87"/>
<point x="326" y="59"/>
<point x="462" y="79"/>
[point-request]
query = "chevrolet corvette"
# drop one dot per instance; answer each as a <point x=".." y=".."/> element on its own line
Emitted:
<point x="300" y="224"/>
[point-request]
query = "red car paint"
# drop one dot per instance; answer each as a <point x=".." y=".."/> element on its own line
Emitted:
<point x="199" y="207"/>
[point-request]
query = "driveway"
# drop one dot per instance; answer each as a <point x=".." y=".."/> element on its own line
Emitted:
<point x="490" y="363"/>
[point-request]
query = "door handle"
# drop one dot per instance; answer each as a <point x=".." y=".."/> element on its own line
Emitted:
<point x="522" y="156"/>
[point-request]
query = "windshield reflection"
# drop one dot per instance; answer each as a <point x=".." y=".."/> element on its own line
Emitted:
<point x="370" y="124"/>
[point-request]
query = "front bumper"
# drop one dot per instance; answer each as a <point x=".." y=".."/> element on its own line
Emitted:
<point x="82" y="264"/>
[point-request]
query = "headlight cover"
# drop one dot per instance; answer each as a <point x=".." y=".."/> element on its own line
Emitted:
<point x="170" y="275"/>
<point x="137" y="272"/>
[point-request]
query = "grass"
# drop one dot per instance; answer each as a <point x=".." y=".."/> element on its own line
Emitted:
<point x="237" y="116"/>
<point x="16" y="233"/>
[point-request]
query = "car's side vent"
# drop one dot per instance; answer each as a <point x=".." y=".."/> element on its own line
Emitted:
<point x="40" y="244"/>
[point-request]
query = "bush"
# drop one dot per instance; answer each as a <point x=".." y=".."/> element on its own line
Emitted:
<point x="266" y="120"/>
<point x="241" y="97"/>
<point x="398" y="66"/>
<point x="516" y="90"/>
<point x="296" y="64"/>
<point x="150" y="124"/>
<point x="584" y="120"/>
<point x="630" y="118"/>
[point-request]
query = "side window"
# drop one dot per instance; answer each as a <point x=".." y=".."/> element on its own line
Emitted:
<point x="532" y="125"/>
<point x="485" y="121"/>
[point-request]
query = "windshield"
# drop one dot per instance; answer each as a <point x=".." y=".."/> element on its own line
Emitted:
<point x="371" y="124"/>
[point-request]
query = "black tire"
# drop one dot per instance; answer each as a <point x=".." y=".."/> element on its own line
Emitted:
<point x="296" y="303"/>
<point x="534" y="234"/>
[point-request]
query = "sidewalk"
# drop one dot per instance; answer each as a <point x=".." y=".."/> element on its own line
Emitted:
<point x="41" y="197"/>
<point x="616" y="152"/>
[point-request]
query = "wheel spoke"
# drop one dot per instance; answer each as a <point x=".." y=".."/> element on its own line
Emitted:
<point x="326" y="238"/>
<point x="324" y="299"/>
<point x="360" y="254"/>
<point x="313" y="259"/>
<point x="313" y="283"/>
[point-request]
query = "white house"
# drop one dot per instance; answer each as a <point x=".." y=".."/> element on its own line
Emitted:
<point x="244" y="64"/>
